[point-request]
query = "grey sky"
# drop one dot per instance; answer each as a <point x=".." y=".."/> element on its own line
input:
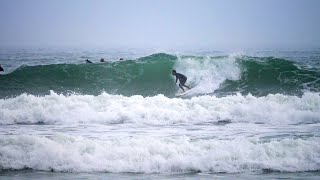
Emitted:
<point x="160" y="23"/>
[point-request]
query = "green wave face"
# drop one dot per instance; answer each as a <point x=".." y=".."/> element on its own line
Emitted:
<point x="146" y="76"/>
<point x="151" y="75"/>
<point x="263" y="76"/>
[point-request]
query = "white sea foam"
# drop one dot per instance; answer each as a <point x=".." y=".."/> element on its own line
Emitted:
<point x="154" y="155"/>
<point x="159" y="110"/>
<point x="208" y="73"/>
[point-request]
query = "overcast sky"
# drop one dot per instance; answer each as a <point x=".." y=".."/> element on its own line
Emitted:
<point x="160" y="23"/>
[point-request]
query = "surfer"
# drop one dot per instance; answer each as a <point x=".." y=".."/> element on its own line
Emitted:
<point x="1" y="69"/>
<point x="87" y="61"/>
<point x="182" y="79"/>
<point x="102" y="60"/>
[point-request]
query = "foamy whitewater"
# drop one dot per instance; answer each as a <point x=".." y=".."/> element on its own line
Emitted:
<point x="250" y="115"/>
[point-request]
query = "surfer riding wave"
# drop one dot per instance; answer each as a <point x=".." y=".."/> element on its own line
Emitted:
<point x="182" y="79"/>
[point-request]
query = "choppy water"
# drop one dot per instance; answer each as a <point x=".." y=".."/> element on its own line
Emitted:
<point x="251" y="115"/>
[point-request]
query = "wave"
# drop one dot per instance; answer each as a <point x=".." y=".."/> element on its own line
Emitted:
<point x="153" y="155"/>
<point x="151" y="75"/>
<point x="268" y="75"/>
<point x="144" y="76"/>
<point x="159" y="110"/>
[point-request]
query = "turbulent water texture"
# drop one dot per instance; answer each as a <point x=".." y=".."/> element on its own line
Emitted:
<point x="247" y="112"/>
<point x="154" y="155"/>
<point x="159" y="110"/>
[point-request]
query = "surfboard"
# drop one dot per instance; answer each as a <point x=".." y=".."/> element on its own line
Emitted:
<point x="183" y="93"/>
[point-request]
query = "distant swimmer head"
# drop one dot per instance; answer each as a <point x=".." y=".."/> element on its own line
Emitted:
<point x="121" y="59"/>
<point x="102" y="60"/>
<point x="1" y="69"/>
<point x="87" y="61"/>
<point x="174" y="72"/>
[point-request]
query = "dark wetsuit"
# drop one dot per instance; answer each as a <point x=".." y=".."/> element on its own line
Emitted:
<point x="1" y="69"/>
<point x="182" y="78"/>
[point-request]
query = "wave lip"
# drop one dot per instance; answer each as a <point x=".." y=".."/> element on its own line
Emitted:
<point x="150" y="155"/>
<point x="159" y="110"/>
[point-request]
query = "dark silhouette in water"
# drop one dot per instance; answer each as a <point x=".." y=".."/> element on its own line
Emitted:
<point x="102" y="60"/>
<point x="121" y="59"/>
<point x="87" y="61"/>
<point x="1" y="69"/>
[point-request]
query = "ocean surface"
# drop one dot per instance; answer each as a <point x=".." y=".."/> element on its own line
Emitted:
<point x="251" y="114"/>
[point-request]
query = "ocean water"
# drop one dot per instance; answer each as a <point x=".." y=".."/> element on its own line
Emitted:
<point x="253" y="114"/>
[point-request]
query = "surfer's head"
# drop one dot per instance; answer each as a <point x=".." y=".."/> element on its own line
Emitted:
<point x="174" y="72"/>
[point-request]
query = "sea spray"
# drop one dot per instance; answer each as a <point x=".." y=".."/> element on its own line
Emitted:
<point x="207" y="73"/>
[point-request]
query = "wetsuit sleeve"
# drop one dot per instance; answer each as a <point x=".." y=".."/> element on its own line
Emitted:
<point x="176" y="79"/>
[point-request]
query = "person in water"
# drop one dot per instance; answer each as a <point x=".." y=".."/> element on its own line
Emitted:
<point x="182" y="79"/>
<point x="87" y="61"/>
<point x="1" y="69"/>
<point x="102" y="60"/>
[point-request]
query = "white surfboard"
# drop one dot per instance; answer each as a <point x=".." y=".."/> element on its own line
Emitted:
<point x="183" y="93"/>
<point x="180" y="94"/>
